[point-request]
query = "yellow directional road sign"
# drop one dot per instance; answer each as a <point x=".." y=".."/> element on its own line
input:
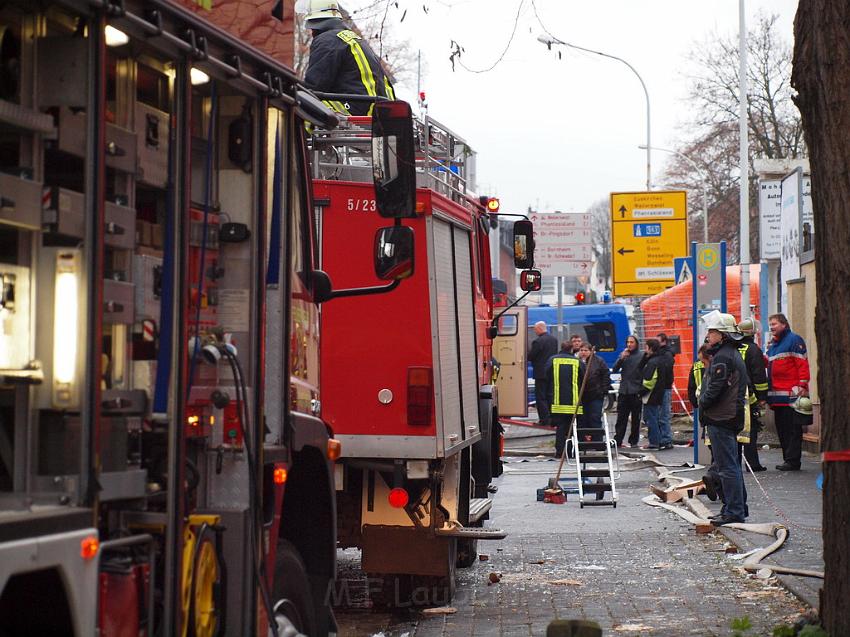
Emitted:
<point x="648" y="231"/>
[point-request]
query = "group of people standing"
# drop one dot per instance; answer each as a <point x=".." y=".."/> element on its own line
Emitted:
<point x="569" y="382"/>
<point x="729" y="384"/>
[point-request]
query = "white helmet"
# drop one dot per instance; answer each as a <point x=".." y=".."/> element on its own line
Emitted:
<point x="803" y="405"/>
<point x="318" y="9"/>
<point x="721" y="322"/>
<point x="748" y="327"/>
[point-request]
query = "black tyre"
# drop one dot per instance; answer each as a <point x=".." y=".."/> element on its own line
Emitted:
<point x="291" y="595"/>
<point x="467" y="552"/>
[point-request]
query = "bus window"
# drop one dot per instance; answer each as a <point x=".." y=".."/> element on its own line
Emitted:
<point x="601" y="335"/>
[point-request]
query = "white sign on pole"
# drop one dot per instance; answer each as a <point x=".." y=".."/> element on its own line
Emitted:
<point x="770" y="219"/>
<point x="561" y="228"/>
<point x="790" y="227"/>
<point x="561" y="268"/>
<point x="562" y="243"/>
<point x="770" y="216"/>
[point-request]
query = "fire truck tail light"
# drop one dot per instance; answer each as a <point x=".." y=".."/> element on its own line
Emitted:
<point x="398" y="498"/>
<point x="89" y="547"/>
<point x="334" y="449"/>
<point x="280" y="475"/>
<point x="420" y="393"/>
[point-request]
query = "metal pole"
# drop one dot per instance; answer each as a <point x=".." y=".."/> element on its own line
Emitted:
<point x="744" y="239"/>
<point x="549" y="41"/>
<point x="703" y="179"/>
<point x="559" y="313"/>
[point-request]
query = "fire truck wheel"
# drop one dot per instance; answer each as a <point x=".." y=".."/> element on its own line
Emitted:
<point x="467" y="552"/>
<point x="291" y="597"/>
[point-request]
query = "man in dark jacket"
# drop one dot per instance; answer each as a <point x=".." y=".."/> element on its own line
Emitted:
<point x="340" y="61"/>
<point x="596" y="389"/>
<point x="544" y="347"/>
<point x="665" y="428"/>
<point x="722" y="402"/>
<point x="754" y="360"/>
<point x="564" y="376"/>
<point x="652" y="390"/>
<point x="628" y="398"/>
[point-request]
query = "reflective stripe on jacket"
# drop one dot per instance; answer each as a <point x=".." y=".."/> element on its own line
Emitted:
<point x="565" y="375"/>
<point x="787" y="368"/>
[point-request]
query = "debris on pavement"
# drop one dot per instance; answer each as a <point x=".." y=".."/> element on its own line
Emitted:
<point x="494" y="578"/>
<point x="440" y="610"/>
<point x="566" y="582"/>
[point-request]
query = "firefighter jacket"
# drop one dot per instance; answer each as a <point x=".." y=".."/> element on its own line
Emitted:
<point x="341" y="62"/>
<point x="652" y="379"/>
<point x="723" y="397"/>
<point x="667" y="364"/>
<point x="695" y="382"/>
<point x="629" y="368"/>
<point x="565" y="375"/>
<point x="598" y="379"/>
<point x="787" y="368"/>
<point x="543" y="348"/>
<point x="756" y="368"/>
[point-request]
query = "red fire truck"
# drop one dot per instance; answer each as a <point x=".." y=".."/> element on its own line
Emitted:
<point x="407" y="375"/>
<point x="163" y="469"/>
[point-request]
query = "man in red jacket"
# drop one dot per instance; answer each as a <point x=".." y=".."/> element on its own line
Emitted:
<point x="788" y="375"/>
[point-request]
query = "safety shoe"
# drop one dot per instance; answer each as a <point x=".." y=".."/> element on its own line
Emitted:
<point x="758" y="469"/>
<point x="710" y="487"/>
<point x="651" y="447"/>
<point x="665" y="446"/>
<point x="725" y="519"/>
<point x="788" y="467"/>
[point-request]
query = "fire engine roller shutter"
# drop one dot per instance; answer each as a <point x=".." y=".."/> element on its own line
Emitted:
<point x="455" y="331"/>
<point x="466" y="327"/>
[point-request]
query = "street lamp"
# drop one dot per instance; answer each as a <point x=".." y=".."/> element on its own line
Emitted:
<point x="549" y="40"/>
<point x="703" y="179"/>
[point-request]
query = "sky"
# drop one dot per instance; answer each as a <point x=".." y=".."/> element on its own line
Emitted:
<point x="562" y="134"/>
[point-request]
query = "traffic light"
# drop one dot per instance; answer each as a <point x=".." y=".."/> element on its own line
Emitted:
<point x="580" y="298"/>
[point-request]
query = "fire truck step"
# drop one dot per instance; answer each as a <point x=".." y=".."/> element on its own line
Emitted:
<point x="474" y="533"/>
<point x="478" y="508"/>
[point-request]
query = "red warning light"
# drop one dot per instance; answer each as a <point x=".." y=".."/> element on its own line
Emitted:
<point x="492" y="204"/>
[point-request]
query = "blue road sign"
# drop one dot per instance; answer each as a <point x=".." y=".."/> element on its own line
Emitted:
<point x="646" y="229"/>
<point x="683" y="269"/>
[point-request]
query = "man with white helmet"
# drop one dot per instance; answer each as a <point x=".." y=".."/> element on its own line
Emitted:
<point x="341" y="61"/>
<point x="722" y="402"/>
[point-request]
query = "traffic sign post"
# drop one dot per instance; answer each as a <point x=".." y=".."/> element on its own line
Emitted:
<point x="683" y="269"/>
<point x="562" y="243"/>
<point x="708" y="294"/>
<point x="648" y="231"/>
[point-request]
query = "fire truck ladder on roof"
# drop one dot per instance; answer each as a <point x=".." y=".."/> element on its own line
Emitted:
<point x="445" y="163"/>
<point x="594" y="459"/>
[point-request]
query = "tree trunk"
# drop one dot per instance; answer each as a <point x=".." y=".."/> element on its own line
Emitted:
<point x="821" y="76"/>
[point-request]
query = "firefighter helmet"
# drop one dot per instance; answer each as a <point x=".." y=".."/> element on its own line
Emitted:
<point x="803" y="405"/>
<point x="318" y="9"/>
<point x="748" y="327"/>
<point x="721" y="322"/>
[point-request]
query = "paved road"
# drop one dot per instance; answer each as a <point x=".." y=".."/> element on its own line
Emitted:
<point x="634" y="569"/>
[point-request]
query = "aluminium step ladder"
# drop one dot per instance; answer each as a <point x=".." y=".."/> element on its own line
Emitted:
<point x="594" y="459"/>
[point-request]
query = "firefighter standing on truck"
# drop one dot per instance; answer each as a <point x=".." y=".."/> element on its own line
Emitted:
<point x="340" y="61"/>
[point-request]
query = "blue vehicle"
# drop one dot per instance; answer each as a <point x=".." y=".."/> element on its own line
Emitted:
<point x="603" y="325"/>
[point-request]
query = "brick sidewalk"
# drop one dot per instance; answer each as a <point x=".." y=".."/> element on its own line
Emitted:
<point x="636" y="570"/>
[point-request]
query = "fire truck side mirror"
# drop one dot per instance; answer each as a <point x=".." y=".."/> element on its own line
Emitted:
<point x="530" y="280"/>
<point x="320" y="284"/>
<point x="523" y="244"/>
<point x="394" y="253"/>
<point x="394" y="160"/>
